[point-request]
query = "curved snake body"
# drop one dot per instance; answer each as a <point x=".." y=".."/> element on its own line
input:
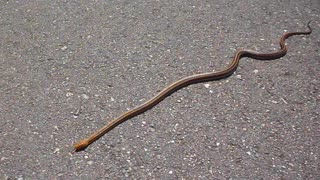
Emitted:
<point x="82" y="144"/>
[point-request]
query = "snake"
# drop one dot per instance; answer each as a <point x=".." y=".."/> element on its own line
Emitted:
<point x="197" y="78"/>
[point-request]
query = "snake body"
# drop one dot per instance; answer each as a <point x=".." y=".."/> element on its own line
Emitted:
<point x="82" y="144"/>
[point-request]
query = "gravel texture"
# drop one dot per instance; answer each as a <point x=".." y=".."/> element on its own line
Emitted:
<point x="69" y="67"/>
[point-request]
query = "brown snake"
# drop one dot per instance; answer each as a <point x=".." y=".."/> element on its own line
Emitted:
<point x="82" y="144"/>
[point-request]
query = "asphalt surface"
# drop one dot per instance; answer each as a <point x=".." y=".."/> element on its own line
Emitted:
<point x="69" y="67"/>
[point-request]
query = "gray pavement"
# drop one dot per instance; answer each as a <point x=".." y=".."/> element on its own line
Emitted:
<point x="69" y="67"/>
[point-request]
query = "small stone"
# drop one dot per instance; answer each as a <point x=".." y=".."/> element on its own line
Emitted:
<point x="90" y="162"/>
<point x="290" y="164"/>
<point x="84" y="96"/>
<point x="170" y="172"/>
<point x="284" y="100"/>
<point x="56" y="150"/>
<point x="69" y="94"/>
<point x="255" y="71"/>
<point x="238" y="76"/>
<point x="207" y="85"/>
<point x="4" y="158"/>
<point x="64" y="48"/>
<point x="275" y="102"/>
